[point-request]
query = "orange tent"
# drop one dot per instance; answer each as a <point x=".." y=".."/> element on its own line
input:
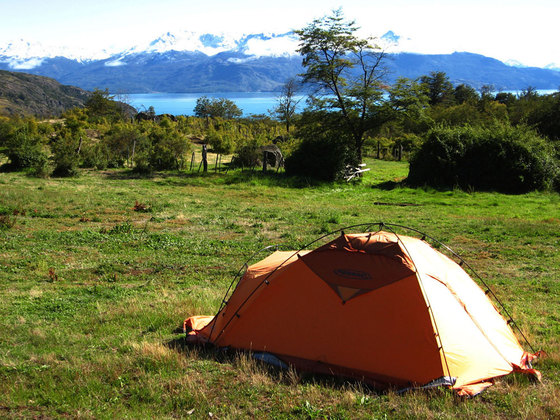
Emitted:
<point x="385" y="308"/>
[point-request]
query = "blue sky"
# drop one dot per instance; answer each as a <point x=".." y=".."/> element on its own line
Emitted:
<point x="522" y="30"/>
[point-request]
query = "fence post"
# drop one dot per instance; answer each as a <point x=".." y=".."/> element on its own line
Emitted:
<point x="204" y="158"/>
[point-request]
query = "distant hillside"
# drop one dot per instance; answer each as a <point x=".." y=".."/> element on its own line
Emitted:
<point x="27" y="94"/>
<point x="195" y="72"/>
<point x="474" y="70"/>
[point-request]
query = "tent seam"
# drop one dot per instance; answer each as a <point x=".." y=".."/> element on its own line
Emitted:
<point x="464" y="306"/>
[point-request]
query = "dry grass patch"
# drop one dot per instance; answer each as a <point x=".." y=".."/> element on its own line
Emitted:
<point x="157" y="352"/>
<point x="252" y="371"/>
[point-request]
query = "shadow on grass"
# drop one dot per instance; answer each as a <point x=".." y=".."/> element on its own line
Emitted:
<point x="389" y="185"/>
<point x="232" y="177"/>
<point x="240" y="359"/>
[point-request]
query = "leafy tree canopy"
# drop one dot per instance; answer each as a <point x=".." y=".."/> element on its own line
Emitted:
<point x="440" y="88"/>
<point x="347" y="73"/>
<point x="216" y="107"/>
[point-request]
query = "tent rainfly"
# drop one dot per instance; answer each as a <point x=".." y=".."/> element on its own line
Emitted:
<point x="384" y="308"/>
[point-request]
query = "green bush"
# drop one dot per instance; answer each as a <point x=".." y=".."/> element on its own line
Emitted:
<point x="24" y="148"/>
<point x="248" y="155"/>
<point x="322" y="158"/>
<point x="220" y="143"/>
<point x="168" y="149"/>
<point x="65" y="157"/>
<point x="161" y="147"/>
<point x="142" y="164"/>
<point x="501" y="158"/>
<point x="40" y="167"/>
<point x="120" y="143"/>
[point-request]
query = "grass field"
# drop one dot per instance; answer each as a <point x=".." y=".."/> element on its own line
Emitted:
<point x="98" y="272"/>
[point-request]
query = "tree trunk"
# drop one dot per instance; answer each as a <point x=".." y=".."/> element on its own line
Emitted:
<point x="358" y="146"/>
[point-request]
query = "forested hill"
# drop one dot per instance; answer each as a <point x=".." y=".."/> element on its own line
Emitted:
<point x="27" y="94"/>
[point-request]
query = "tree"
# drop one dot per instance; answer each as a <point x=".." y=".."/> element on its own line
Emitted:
<point x="347" y="72"/>
<point x="287" y="104"/>
<point x="440" y="89"/>
<point x="465" y="94"/>
<point x="202" y="108"/>
<point x="543" y="115"/>
<point x="102" y="105"/>
<point x="24" y="145"/>
<point x="216" y="107"/>
<point x="408" y="100"/>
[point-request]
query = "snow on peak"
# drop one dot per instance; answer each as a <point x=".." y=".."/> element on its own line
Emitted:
<point x="515" y="63"/>
<point x="392" y="42"/>
<point x="208" y="44"/>
<point x="22" y="54"/>
<point x="211" y="44"/>
<point x="391" y="37"/>
<point x="283" y="45"/>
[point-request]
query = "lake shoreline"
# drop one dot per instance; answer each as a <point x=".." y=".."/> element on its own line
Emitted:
<point x="251" y="103"/>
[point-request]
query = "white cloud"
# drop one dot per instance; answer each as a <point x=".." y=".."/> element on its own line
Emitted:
<point x="28" y="64"/>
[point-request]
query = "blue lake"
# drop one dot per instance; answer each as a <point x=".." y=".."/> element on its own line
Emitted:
<point x="252" y="103"/>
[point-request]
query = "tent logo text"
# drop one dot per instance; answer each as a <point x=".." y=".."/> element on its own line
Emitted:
<point x="351" y="274"/>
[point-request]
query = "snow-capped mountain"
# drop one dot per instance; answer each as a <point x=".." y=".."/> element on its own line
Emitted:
<point x="24" y="55"/>
<point x="258" y="45"/>
<point x="515" y="63"/>
<point x="186" y="61"/>
<point x="553" y="66"/>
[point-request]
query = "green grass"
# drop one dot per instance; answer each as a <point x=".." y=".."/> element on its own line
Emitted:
<point x="92" y="290"/>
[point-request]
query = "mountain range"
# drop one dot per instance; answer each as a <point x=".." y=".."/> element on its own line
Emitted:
<point x="188" y="62"/>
